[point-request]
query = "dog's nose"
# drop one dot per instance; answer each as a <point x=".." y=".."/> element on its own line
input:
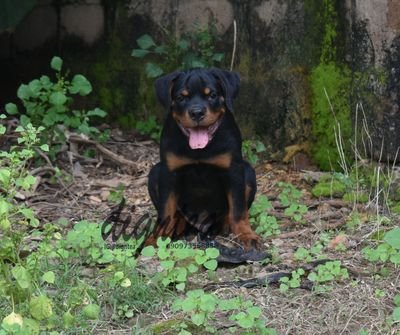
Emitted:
<point x="197" y="113"/>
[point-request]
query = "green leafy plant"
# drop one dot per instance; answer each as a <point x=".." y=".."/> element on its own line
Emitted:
<point x="396" y="311"/>
<point x="249" y="319"/>
<point x="290" y="197"/>
<point x="296" y="211"/>
<point x="316" y="251"/>
<point x="293" y="282"/>
<point x="266" y="225"/>
<point x="180" y="260"/>
<point x="192" y="50"/>
<point x="18" y="277"/>
<point x="251" y="150"/>
<point x="116" y="195"/>
<point x="49" y="104"/>
<point x="85" y="244"/>
<point x="149" y="127"/>
<point x="327" y="272"/>
<point x="387" y="251"/>
<point x="303" y="254"/>
<point x="195" y="49"/>
<point x="14" y="178"/>
<point x="200" y="305"/>
<point x="129" y="292"/>
<point x="203" y="308"/>
<point x="289" y="194"/>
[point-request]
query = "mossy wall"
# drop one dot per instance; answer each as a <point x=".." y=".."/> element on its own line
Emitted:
<point x="331" y="86"/>
<point x="305" y="64"/>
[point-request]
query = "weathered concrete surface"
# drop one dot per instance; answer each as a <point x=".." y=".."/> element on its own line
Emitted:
<point x="375" y="49"/>
<point x="38" y="27"/>
<point x="279" y="44"/>
<point x="184" y="16"/>
<point x="382" y="21"/>
<point x="85" y="21"/>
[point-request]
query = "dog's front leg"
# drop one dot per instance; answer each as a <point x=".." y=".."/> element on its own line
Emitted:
<point x="237" y="219"/>
<point x="162" y="184"/>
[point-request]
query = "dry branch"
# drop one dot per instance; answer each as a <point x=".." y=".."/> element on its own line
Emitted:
<point x="106" y="152"/>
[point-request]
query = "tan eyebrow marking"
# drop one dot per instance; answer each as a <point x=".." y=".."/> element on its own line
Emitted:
<point x="207" y="91"/>
<point x="185" y="93"/>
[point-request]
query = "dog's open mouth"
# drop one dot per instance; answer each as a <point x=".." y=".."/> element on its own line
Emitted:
<point x="200" y="136"/>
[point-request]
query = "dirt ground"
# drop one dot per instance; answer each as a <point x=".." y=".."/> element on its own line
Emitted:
<point x="348" y="307"/>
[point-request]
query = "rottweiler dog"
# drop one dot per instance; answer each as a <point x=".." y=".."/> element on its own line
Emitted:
<point x="202" y="180"/>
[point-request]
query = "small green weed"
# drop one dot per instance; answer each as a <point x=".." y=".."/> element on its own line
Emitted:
<point x="293" y="282"/>
<point x="354" y="220"/>
<point x="180" y="260"/>
<point x="203" y="307"/>
<point x="149" y="127"/>
<point x="387" y="251"/>
<point x="251" y="150"/>
<point x="290" y="198"/>
<point x="84" y="244"/>
<point x="15" y="177"/>
<point x="128" y="293"/>
<point x="303" y="254"/>
<point x="192" y="50"/>
<point x="266" y="225"/>
<point x="396" y="311"/>
<point x="16" y="220"/>
<point x="289" y="194"/>
<point x="296" y="211"/>
<point x="327" y="272"/>
<point x="379" y="293"/>
<point x="200" y="305"/>
<point x="307" y="255"/>
<point x="49" y="104"/>
<point x="116" y="195"/>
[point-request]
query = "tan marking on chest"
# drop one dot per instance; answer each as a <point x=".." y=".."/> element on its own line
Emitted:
<point x="175" y="162"/>
<point x="222" y="160"/>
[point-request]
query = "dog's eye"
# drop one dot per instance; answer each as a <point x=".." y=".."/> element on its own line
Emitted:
<point x="181" y="98"/>
<point x="212" y="96"/>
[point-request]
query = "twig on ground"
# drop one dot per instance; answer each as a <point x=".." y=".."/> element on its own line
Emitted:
<point x="45" y="157"/>
<point x="42" y="170"/>
<point x="306" y="231"/>
<point x="106" y="152"/>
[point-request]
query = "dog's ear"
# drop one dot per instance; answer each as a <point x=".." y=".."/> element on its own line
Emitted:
<point x="163" y="86"/>
<point x="230" y="82"/>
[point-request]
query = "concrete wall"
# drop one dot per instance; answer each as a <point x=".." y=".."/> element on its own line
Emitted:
<point x="280" y="43"/>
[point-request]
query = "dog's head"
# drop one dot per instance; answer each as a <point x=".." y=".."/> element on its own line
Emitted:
<point x="198" y="99"/>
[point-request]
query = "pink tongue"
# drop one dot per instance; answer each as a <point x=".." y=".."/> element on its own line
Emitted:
<point x="198" y="138"/>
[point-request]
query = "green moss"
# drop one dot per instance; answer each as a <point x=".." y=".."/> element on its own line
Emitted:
<point x="114" y="74"/>
<point x="332" y="188"/>
<point x="171" y="327"/>
<point x="330" y="20"/>
<point x="396" y="194"/>
<point x="164" y="326"/>
<point x="330" y="84"/>
<point x="396" y="208"/>
<point x="360" y="197"/>
<point x="314" y="31"/>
